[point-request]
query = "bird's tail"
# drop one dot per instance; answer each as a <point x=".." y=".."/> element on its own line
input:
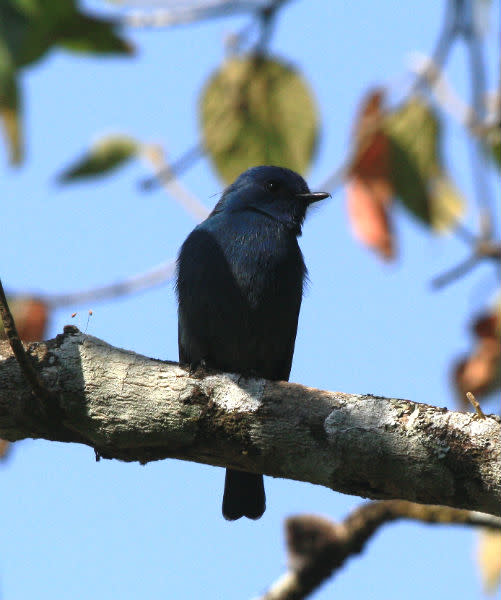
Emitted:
<point x="243" y="495"/>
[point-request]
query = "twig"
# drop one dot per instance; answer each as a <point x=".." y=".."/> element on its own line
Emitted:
<point x="204" y="10"/>
<point x="185" y="161"/>
<point x="136" y="283"/>
<point x="18" y="350"/>
<point x="442" y="48"/>
<point x="443" y="92"/>
<point x="155" y="156"/>
<point x="317" y="547"/>
<point x="444" y="44"/>
<point x="483" y="249"/>
<point x="478" y="91"/>
<point x="456" y="272"/>
<point x="476" y="405"/>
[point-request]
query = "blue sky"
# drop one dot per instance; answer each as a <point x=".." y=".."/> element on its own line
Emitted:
<point x="76" y="528"/>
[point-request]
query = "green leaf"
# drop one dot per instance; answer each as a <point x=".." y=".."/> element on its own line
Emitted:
<point x="446" y="204"/>
<point x="106" y="155"/>
<point x="493" y="143"/>
<point x="417" y="173"/>
<point x="28" y="30"/>
<point x="87" y="34"/>
<point x="10" y="109"/>
<point x="257" y="111"/>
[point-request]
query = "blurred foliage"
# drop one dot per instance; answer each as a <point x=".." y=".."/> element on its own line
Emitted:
<point x="28" y="30"/>
<point x="417" y="172"/>
<point x="396" y="153"/>
<point x="369" y="188"/>
<point x="493" y="139"/>
<point x="489" y="559"/>
<point x="30" y="315"/>
<point x="258" y="111"/>
<point x="480" y="371"/>
<point x="107" y="154"/>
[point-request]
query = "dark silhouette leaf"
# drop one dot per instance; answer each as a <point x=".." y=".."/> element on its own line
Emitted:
<point x="106" y="155"/>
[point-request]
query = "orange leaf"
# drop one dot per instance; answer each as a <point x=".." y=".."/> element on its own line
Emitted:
<point x="4" y="449"/>
<point x="479" y="372"/>
<point x="372" y="145"/>
<point x="485" y="325"/>
<point x="368" y="202"/>
<point x="30" y="316"/>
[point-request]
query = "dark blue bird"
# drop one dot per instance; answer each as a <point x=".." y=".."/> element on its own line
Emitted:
<point x="239" y="284"/>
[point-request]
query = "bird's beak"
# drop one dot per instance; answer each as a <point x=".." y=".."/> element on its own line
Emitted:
<point x="313" y="196"/>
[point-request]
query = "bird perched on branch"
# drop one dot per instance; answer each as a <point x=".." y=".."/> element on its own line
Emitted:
<point x="239" y="284"/>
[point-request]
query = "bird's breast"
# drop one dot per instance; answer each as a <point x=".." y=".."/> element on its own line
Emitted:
<point x="265" y="264"/>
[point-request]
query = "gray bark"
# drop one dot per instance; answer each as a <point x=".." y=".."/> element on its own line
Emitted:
<point x="135" y="408"/>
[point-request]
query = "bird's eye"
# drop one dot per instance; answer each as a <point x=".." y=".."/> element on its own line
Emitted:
<point x="272" y="186"/>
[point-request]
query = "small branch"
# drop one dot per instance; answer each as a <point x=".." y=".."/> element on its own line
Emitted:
<point x="134" y="408"/>
<point x="155" y="157"/>
<point x="184" y="162"/>
<point x="444" y="44"/>
<point x="478" y="410"/>
<point x="443" y="93"/>
<point x="318" y="548"/>
<point x="137" y="283"/>
<point x="457" y="272"/>
<point x="18" y="350"/>
<point x="484" y="249"/>
<point x="182" y="15"/>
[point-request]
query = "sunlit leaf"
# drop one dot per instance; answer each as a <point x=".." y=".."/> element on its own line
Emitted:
<point x="493" y="143"/>
<point x="416" y="168"/>
<point x="446" y="204"/>
<point x="107" y="154"/>
<point x="258" y="111"/>
<point x="489" y="559"/>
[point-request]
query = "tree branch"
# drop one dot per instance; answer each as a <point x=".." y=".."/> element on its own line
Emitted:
<point x="135" y="408"/>
<point x="318" y="548"/>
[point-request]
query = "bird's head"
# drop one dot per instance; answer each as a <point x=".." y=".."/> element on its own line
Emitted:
<point x="272" y="192"/>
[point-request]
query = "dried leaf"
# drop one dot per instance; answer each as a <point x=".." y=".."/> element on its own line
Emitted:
<point x="106" y="155"/>
<point x="368" y="203"/>
<point x="369" y="190"/>
<point x="31" y="317"/>
<point x="372" y="146"/>
<point x="4" y="449"/>
<point x="256" y="111"/>
<point x="480" y="372"/>
<point x="489" y="559"/>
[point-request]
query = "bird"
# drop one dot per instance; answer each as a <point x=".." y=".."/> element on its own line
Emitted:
<point x="240" y="280"/>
